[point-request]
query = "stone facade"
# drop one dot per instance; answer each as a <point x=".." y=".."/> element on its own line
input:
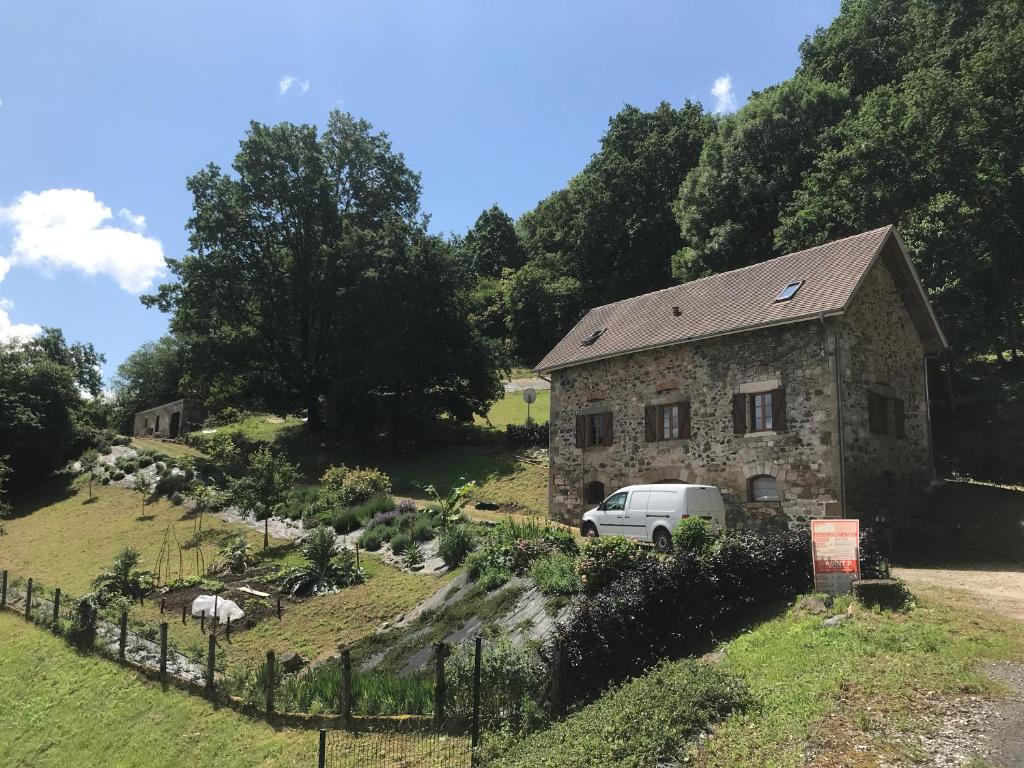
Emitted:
<point x="878" y="347"/>
<point x="171" y="420"/>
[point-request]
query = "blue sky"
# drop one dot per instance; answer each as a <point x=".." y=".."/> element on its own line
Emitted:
<point x="107" y="107"/>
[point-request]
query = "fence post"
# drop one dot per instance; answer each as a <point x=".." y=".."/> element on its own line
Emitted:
<point x="122" y="637"/>
<point x="3" y="589"/>
<point x="476" y="692"/>
<point x="279" y="608"/>
<point x="227" y="630"/>
<point x="202" y="622"/>
<point x="266" y="532"/>
<point x="560" y="695"/>
<point x="270" y="681"/>
<point x="184" y="614"/>
<point x="56" y="606"/>
<point x="163" y="649"/>
<point x="210" y="658"/>
<point x="28" y="600"/>
<point x="162" y="606"/>
<point x="346" y="685"/>
<point x="440" y="651"/>
<point x="321" y="760"/>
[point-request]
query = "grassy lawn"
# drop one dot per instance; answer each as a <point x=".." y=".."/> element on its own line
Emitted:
<point x="500" y="475"/>
<point x="171" y="449"/>
<point x="511" y="409"/>
<point x="60" y="708"/>
<point x="314" y="627"/>
<point x="866" y="681"/>
<point x="63" y="540"/>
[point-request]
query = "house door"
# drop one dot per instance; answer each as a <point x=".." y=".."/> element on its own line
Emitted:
<point x="175" y="424"/>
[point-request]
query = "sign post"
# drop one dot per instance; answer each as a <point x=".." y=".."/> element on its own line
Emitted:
<point x="529" y="395"/>
<point x="835" y="549"/>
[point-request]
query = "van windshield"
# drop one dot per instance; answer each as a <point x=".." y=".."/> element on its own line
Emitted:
<point x="617" y="501"/>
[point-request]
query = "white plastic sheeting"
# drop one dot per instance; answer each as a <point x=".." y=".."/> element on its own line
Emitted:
<point x="216" y="605"/>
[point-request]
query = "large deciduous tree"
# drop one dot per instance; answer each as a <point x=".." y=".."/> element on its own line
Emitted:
<point x="149" y="376"/>
<point x="304" y="257"/>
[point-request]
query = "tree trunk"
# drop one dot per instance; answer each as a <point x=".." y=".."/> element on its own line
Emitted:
<point x="314" y="419"/>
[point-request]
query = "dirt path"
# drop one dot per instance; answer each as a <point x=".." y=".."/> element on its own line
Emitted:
<point x="996" y="588"/>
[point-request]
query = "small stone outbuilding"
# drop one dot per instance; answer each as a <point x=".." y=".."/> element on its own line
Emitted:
<point x="171" y="421"/>
<point x="797" y="385"/>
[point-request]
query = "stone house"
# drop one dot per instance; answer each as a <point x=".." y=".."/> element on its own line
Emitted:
<point x="171" y="420"/>
<point x="797" y="385"/>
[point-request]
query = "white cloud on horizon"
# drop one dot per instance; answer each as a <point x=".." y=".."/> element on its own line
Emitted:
<point x="68" y="229"/>
<point x="287" y="82"/>
<point x="9" y="330"/>
<point x="725" y="99"/>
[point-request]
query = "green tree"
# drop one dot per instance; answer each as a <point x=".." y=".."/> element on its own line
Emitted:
<point x="88" y="463"/>
<point x="264" y="487"/>
<point x="492" y="244"/>
<point x="750" y="167"/>
<point x="308" y="232"/>
<point x="42" y="407"/>
<point x="149" y="376"/>
<point x="543" y="304"/>
<point x="143" y="484"/>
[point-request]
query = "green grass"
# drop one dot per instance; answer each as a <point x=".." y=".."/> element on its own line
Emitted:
<point x="630" y="727"/>
<point x="511" y="409"/>
<point x="60" y="708"/>
<point x="61" y="539"/>
<point x="315" y="627"/>
<point x="171" y="449"/>
<point x="876" y="666"/>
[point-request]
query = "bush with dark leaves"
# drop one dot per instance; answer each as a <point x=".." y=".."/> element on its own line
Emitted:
<point x="665" y="607"/>
<point x="527" y="434"/>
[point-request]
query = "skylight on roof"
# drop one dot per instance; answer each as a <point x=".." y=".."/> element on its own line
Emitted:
<point x="594" y="336"/>
<point x="789" y="291"/>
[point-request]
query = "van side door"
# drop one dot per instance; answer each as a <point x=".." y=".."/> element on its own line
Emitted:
<point x="661" y="510"/>
<point x="635" y="519"/>
<point x="610" y="520"/>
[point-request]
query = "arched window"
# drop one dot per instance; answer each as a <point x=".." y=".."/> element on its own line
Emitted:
<point x="763" y="488"/>
<point x="594" y="492"/>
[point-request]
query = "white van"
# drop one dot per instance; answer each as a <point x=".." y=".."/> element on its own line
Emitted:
<point x="651" y="512"/>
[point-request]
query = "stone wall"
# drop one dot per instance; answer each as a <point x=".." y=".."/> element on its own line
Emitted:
<point x="803" y="458"/>
<point x="881" y="350"/>
<point x="190" y="418"/>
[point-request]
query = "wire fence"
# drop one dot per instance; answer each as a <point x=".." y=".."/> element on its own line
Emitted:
<point x="391" y="749"/>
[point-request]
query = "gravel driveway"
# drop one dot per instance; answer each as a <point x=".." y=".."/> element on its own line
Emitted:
<point x="998" y="588"/>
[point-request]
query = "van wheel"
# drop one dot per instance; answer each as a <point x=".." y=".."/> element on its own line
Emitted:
<point x="662" y="540"/>
<point x="590" y="531"/>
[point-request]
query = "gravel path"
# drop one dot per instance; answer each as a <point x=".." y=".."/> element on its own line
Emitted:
<point x="518" y="385"/>
<point x="998" y="588"/>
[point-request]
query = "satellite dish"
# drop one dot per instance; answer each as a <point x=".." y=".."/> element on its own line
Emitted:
<point x="530" y="395"/>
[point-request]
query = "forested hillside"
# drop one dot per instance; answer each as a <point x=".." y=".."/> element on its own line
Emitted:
<point x="902" y="111"/>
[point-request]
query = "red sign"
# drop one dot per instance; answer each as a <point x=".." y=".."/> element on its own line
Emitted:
<point x="835" y="548"/>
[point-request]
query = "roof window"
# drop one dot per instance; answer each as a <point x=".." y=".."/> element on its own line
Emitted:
<point x="594" y="336"/>
<point x="789" y="291"/>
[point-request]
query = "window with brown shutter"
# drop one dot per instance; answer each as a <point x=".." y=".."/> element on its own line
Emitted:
<point x="594" y="429"/>
<point x="667" y="422"/>
<point x="899" y="418"/>
<point x="878" y="413"/>
<point x="762" y="411"/>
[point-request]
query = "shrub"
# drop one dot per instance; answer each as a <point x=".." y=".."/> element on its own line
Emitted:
<point x="372" y="539"/>
<point x="145" y="461"/>
<point x="606" y="559"/>
<point x="400" y="542"/>
<point x="455" y="544"/>
<point x="692" y="534"/>
<point x="556" y="575"/>
<point x="177" y="499"/>
<point x="527" y="434"/>
<point x="516" y="671"/>
<point x="510" y="547"/>
<point x="341" y="486"/>
<point x="106" y="480"/>
<point x="413" y="556"/>
<point x="118" y="475"/>
<point x="229" y="415"/>
<point x="341" y="520"/>
<point x="422" y="528"/>
<point x="665" y="606"/>
<point x="325" y="568"/>
<point x="121" y="440"/>
<point x="81" y="632"/>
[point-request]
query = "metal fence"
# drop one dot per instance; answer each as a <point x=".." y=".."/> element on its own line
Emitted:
<point x="391" y="749"/>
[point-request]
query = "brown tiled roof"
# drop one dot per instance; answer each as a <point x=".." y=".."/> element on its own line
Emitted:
<point x="744" y="299"/>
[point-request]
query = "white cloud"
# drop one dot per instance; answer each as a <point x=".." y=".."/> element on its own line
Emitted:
<point x="65" y="229"/>
<point x="9" y="330"/>
<point x="725" y="99"/>
<point x="136" y="220"/>
<point x="287" y="82"/>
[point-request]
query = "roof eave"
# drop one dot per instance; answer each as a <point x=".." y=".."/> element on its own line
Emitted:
<point x="690" y="339"/>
